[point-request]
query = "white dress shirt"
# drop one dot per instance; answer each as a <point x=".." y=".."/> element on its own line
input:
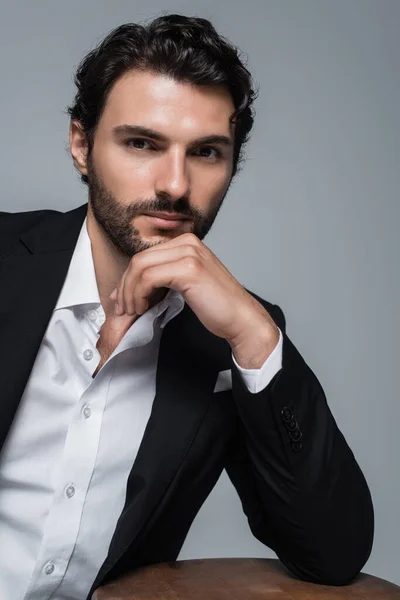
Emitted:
<point x="68" y="454"/>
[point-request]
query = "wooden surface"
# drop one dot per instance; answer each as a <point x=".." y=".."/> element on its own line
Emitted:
<point x="236" y="579"/>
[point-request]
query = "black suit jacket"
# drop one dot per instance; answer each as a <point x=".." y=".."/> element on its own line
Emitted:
<point x="300" y="486"/>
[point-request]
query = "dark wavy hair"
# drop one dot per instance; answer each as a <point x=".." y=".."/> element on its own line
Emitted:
<point x="188" y="49"/>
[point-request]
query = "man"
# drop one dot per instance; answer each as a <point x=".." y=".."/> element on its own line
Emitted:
<point x="135" y="367"/>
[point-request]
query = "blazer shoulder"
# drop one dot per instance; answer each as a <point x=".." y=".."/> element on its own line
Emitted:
<point x="13" y="225"/>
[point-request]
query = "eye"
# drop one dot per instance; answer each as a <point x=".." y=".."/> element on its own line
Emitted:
<point x="139" y="144"/>
<point x="208" y="152"/>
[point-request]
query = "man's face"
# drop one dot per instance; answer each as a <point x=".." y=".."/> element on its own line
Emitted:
<point x="160" y="147"/>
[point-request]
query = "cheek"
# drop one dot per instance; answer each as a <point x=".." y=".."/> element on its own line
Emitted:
<point x="121" y="174"/>
<point x="211" y="189"/>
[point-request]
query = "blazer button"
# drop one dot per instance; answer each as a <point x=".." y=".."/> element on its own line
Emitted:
<point x="292" y="425"/>
<point x="296" y="446"/>
<point x="287" y="414"/>
<point x="296" y="435"/>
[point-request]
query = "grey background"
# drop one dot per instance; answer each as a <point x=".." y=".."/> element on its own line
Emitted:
<point x="310" y="224"/>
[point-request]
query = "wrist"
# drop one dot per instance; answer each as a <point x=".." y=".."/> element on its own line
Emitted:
<point x="253" y="347"/>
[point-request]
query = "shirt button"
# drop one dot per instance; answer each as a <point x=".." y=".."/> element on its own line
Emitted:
<point x="70" y="491"/>
<point x="88" y="354"/>
<point x="87" y="412"/>
<point x="49" y="568"/>
<point x="92" y="315"/>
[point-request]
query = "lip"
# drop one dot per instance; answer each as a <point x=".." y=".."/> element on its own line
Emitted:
<point x="165" y="220"/>
<point x="167" y="216"/>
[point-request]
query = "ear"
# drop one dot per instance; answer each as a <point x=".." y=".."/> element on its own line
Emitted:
<point x="78" y="145"/>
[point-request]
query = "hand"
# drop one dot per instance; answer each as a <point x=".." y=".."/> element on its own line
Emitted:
<point x="188" y="266"/>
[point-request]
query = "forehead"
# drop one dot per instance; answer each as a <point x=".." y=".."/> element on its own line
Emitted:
<point x="161" y="103"/>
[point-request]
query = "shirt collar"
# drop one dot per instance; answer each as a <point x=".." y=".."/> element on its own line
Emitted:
<point x="80" y="285"/>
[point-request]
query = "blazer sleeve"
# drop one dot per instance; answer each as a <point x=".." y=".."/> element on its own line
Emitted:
<point x="300" y="486"/>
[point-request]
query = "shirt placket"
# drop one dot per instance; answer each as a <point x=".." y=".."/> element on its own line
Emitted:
<point x="75" y="471"/>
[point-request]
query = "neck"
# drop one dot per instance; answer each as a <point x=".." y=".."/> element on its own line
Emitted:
<point x="109" y="264"/>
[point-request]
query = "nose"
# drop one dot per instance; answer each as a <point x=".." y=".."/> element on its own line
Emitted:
<point x="173" y="176"/>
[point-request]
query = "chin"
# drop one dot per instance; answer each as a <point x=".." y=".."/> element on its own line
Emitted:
<point x="160" y="235"/>
<point x="154" y="240"/>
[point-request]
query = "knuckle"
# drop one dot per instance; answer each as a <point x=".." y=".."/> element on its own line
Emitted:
<point x="191" y="263"/>
<point x="196" y="246"/>
<point x="192" y="238"/>
<point x="190" y="250"/>
<point x="135" y="261"/>
<point x="146" y="275"/>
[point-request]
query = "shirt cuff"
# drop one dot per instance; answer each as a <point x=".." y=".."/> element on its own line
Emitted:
<point x="258" y="379"/>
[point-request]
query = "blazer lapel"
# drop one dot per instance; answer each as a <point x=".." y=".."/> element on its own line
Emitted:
<point x="184" y="389"/>
<point x="31" y="277"/>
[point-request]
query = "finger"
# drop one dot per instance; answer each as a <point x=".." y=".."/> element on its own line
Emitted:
<point x="178" y="275"/>
<point x="119" y="296"/>
<point x="184" y="238"/>
<point x="122" y="298"/>
<point x="144" y="261"/>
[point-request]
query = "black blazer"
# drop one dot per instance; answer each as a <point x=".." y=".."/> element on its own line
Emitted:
<point x="302" y="491"/>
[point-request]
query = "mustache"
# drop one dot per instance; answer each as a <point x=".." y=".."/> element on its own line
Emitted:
<point x="180" y="206"/>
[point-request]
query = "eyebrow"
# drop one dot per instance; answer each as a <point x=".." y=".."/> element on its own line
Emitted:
<point x="125" y="130"/>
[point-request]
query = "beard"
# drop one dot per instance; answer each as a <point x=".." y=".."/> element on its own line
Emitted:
<point x="115" y="218"/>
